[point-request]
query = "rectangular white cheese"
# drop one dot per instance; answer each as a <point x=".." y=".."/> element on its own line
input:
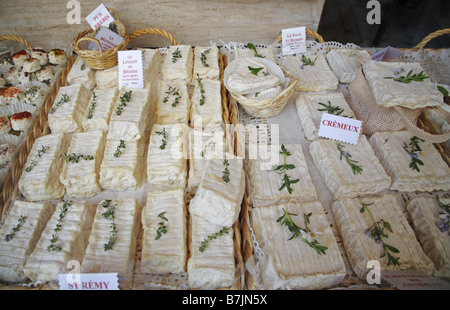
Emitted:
<point x="178" y="63"/>
<point x="206" y="62"/>
<point x="81" y="73"/>
<point x="107" y="78"/>
<point x="345" y="62"/>
<point x="206" y="107"/>
<point x="173" y="103"/>
<point x="99" y="109"/>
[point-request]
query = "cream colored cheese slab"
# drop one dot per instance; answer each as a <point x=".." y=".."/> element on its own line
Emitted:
<point x="293" y="264"/>
<point x="337" y="174"/>
<point x="205" y="144"/>
<point x="390" y="93"/>
<point x="424" y="213"/>
<point x="68" y="116"/>
<point x="15" y="252"/>
<point x="122" y="168"/>
<point x="264" y="182"/>
<point x="42" y="181"/>
<point x="99" y="109"/>
<point x="433" y="175"/>
<point x="206" y="62"/>
<point x="81" y="179"/>
<point x="219" y="200"/>
<point x="167" y="252"/>
<point x="345" y="62"/>
<point x="361" y="248"/>
<point x="80" y="73"/>
<point x="121" y="257"/>
<point x="266" y="52"/>
<point x="214" y="267"/>
<point x="178" y="68"/>
<point x="131" y="122"/>
<point x="206" y="112"/>
<point x="107" y="78"/>
<point x="151" y="63"/>
<point x="308" y="106"/>
<point x="317" y="77"/>
<point x="167" y="161"/>
<point x="173" y="103"/>
<point x="72" y="238"/>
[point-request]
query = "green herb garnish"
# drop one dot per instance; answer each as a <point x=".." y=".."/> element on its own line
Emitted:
<point x="164" y="135"/>
<point x="119" y="147"/>
<point x="409" y="77"/>
<point x="21" y="220"/>
<point x="353" y="163"/>
<point x="202" y="91"/>
<point x="35" y="158"/>
<point x="415" y="151"/>
<point x="210" y="145"/>
<point x="282" y="169"/>
<point x="336" y="110"/>
<point x="92" y="105"/>
<point x="204" y="243"/>
<point x="64" y="98"/>
<point x="255" y="71"/>
<point x="226" y="172"/>
<point x="52" y="247"/>
<point x="306" y="234"/>
<point x="174" y="92"/>
<point x="162" y="229"/>
<point x="252" y="47"/>
<point x="175" y="55"/>
<point x="203" y="57"/>
<point x="379" y="232"/>
<point x="109" y="215"/>
<point x="75" y="158"/>
<point x="443" y="90"/>
<point x="83" y="65"/>
<point x="308" y="61"/>
<point x="124" y="99"/>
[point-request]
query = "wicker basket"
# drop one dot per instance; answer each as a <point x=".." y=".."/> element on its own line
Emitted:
<point x="98" y="59"/>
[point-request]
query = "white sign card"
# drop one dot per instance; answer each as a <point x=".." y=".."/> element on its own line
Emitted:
<point x="107" y="38"/>
<point x="88" y="281"/>
<point x="98" y="17"/>
<point x="130" y="69"/>
<point x="293" y="41"/>
<point x="340" y="128"/>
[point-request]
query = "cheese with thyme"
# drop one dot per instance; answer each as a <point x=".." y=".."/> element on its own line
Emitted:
<point x="206" y="62"/>
<point x="206" y="106"/>
<point x="98" y="111"/>
<point x="178" y="64"/>
<point x="173" y="103"/>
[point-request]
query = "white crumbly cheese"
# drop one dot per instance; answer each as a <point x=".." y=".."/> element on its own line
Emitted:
<point x="81" y="177"/>
<point x="206" y="109"/>
<point x="121" y="256"/>
<point x="173" y="103"/>
<point x="361" y="248"/>
<point x="206" y="62"/>
<point x="45" y="264"/>
<point x="317" y="77"/>
<point x="265" y="182"/>
<point x="122" y="167"/>
<point x="308" y="110"/>
<point x="264" y="52"/>
<point x="433" y="175"/>
<point x="424" y="213"/>
<point x="219" y="196"/>
<point x="67" y="112"/>
<point x="345" y="62"/>
<point x="178" y="63"/>
<point x="167" y="157"/>
<point x="81" y="73"/>
<point x="164" y="252"/>
<point x="214" y="267"/>
<point x="205" y="144"/>
<point x="15" y="247"/>
<point x="129" y="121"/>
<point x="390" y="93"/>
<point x="338" y="175"/>
<point x="99" y="109"/>
<point x="40" y="178"/>
<point x="107" y="78"/>
<point x="293" y="264"/>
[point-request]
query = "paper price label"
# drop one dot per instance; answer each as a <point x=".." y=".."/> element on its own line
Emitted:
<point x="98" y="17"/>
<point x="340" y="128"/>
<point x="88" y="281"/>
<point x="130" y="69"/>
<point x="293" y="41"/>
<point x="107" y="38"/>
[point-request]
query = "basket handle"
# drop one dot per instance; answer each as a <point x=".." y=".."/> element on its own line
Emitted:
<point x="157" y="31"/>
<point x="17" y="39"/>
<point x="90" y="39"/>
<point x="314" y="34"/>
<point x="429" y="37"/>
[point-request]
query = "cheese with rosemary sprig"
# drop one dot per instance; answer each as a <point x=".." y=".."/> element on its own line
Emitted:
<point x="211" y="263"/>
<point x="311" y="106"/>
<point x="80" y="173"/>
<point x="81" y="73"/>
<point x="349" y="170"/>
<point x="345" y="62"/>
<point x="130" y="114"/>
<point x="67" y="112"/>
<point x="282" y="178"/>
<point x="40" y="179"/>
<point x="173" y="103"/>
<point x="431" y="222"/>
<point x="356" y="229"/>
<point x="64" y="238"/>
<point x="262" y="52"/>
<point x="113" y="239"/>
<point x="122" y="165"/>
<point x="206" y="62"/>
<point x="433" y="174"/>
<point x="164" y="242"/>
<point x="206" y="106"/>
<point x="167" y="157"/>
<point x="295" y="263"/>
<point x="99" y="109"/>
<point x="19" y="235"/>
<point x="178" y="63"/>
<point x="219" y="196"/>
<point x="312" y="72"/>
